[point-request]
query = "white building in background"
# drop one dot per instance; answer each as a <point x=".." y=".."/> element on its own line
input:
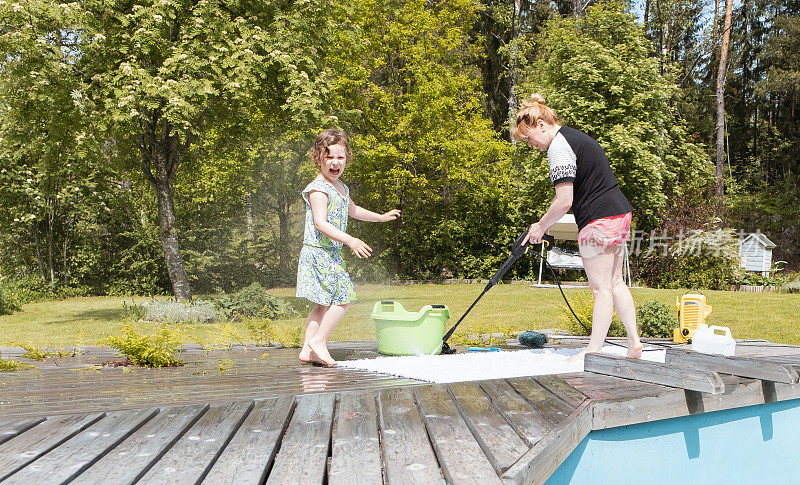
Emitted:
<point x="755" y="252"/>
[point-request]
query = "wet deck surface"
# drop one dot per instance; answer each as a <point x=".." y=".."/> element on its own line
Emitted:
<point x="273" y="419"/>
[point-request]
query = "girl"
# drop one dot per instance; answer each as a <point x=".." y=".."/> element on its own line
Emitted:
<point x="321" y="275"/>
<point x="583" y="179"/>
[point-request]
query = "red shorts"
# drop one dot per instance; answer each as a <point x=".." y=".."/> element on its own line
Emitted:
<point x="606" y="231"/>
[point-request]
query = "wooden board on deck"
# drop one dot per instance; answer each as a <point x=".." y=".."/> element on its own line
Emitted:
<point x="526" y="420"/>
<point x="738" y="366"/>
<point x="13" y="427"/>
<point x="499" y="442"/>
<point x="76" y="454"/>
<point x="545" y="401"/>
<point x="304" y="452"/>
<point x="252" y="449"/>
<point x="27" y="447"/>
<point x="189" y="458"/>
<point x="356" y="453"/>
<point x="459" y="454"/>
<point x="547" y="455"/>
<point x="683" y="377"/>
<point x="129" y="460"/>
<point x="407" y="453"/>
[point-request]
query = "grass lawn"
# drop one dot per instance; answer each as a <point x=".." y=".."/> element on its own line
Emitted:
<point x="83" y="321"/>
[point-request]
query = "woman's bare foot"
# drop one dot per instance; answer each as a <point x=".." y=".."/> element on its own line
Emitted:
<point x="577" y="357"/>
<point x="320" y="355"/>
<point x="635" y="351"/>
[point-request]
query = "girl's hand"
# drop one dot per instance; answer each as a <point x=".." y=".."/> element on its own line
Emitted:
<point x="535" y="233"/>
<point x="359" y="247"/>
<point x="391" y="215"/>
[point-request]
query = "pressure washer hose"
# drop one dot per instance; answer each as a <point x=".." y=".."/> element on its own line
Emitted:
<point x="517" y="250"/>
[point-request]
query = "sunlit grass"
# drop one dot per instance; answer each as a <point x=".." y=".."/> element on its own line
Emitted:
<point x="509" y="307"/>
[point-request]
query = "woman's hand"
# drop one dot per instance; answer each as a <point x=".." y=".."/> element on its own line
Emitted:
<point x="359" y="247"/>
<point x="535" y="233"/>
<point x="390" y="216"/>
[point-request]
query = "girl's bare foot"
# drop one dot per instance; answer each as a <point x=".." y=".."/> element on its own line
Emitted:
<point x="305" y="354"/>
<point x="320" y="355"/>
<point x="635" y="351"/>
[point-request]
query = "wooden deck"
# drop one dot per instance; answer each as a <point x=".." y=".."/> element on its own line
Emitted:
<point x="358" y="430"/>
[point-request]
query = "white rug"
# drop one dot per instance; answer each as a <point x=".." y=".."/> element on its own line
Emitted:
<point x="475" y="366"/>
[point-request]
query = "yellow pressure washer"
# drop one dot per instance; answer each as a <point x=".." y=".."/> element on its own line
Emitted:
<point x="692" y="311"/>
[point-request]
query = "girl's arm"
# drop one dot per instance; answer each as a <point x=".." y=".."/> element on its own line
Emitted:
<point x="362" y="214"/>
<point x="560" y="205"/>
<point x="319" y="210"/>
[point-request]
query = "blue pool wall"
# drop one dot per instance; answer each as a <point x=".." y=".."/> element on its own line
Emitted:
<point x="754" y="444"/>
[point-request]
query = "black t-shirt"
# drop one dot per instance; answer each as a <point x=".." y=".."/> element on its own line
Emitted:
<point x="575" y="156"/>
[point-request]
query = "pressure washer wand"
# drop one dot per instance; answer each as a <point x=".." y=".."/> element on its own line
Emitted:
<point x="516" y="251"/>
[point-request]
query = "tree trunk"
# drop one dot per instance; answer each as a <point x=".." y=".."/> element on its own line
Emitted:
<point x="50" y="268"/>
<point x="38" y="253"/>
<point x="283" y="238"/>
<point x="169" y="241"/>
<point x="64" y="246"/>
<point x="161" y="156"/>
<point x="723" y="63"/>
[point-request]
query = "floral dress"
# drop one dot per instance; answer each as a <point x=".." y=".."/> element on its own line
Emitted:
<point x="321" y="274"/>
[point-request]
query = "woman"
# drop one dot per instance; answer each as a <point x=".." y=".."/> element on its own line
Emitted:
<point x="584" y="181"/>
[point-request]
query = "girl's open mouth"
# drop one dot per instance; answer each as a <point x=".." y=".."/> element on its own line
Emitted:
<point x="334" y="171"/>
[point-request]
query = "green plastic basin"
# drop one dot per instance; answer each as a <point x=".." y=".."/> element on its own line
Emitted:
<point x="401" y="332"/>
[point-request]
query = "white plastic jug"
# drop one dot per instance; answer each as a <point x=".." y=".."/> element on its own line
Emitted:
<point x="708" y="340"/>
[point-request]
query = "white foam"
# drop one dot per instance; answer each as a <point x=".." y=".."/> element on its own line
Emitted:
<point x="475" y="366"/>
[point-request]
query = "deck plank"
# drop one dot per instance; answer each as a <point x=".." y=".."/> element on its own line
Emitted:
<point x="303" y="454"/>
<point x="460" y="456"/>
<point x="194" y="452"/>
<point x="499" y="442"/>
<point x="545" y="401"/>
<point x="27" y="447"/>
<point x="13" y="427"/>
<point x="526" y="420"/>
<point x="673" y="375"/>
<point x="738" y="366"/>
<point x="252" y="449"/>
<point x="356" y="454"/>
<point x="546" y="456"/>
<point x="129" y="461"/>
<point x="407" y="453"/>
<point x="76" y="454"/>
<point x="560" y="388"/>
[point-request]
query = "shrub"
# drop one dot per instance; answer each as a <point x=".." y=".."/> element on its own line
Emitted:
<point x="162" y="350"/>
<point x="8" y="302"/>
<point x="264" y="331"/>
<point x="703" y="260"/>
<point x="791" y="287"/>
<point x="655" y="320"/>
<point x="28" y="289"/>
<point x="134" y="311"/>
<point x="253" y="301"/>
<point x="32" y="352"/>
<point x="12" y="365"/>
<point x="179" y="312"/>
<point x="582" y="304"/>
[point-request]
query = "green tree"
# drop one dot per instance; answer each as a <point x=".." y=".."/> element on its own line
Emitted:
<point x="157" y="75"/>
<point x="598" y="73"/>
<point x="410" y="95"/>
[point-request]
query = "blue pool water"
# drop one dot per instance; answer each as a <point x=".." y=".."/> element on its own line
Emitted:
<point x="754" y="444"/>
